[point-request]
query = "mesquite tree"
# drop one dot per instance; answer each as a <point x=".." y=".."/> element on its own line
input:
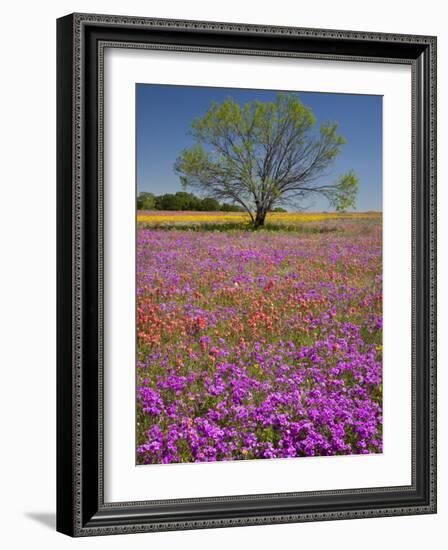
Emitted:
<point x="263" y="155"/>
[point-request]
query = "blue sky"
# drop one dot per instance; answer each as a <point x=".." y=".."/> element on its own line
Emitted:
<point x="164" y="115"/>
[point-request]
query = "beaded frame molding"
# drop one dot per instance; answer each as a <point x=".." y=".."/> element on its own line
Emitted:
<point x="81" y="40"/>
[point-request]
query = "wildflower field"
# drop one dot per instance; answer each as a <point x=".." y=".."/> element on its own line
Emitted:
<point x="160" y="218"/>
<point x="258" y="344"/>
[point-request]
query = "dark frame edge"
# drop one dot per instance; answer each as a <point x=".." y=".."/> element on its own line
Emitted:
<point x="65" y="496"/>
<point x="426" y="272"/>
<point x="200" y="25"/>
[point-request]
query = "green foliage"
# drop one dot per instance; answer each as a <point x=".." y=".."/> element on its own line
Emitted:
<point x="146" y="201"/>
<point x="182" y="201"/>
<point x="279" y="209"/>
<point x="343" y="197"/>
<point x="210" y="205"/>
<point x="226" y="207"/>
<point x="178" y="201"/>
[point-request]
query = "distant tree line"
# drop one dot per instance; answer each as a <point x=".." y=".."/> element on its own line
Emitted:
<point x="186" y="201"/>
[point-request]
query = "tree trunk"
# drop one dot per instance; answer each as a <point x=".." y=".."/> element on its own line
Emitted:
<point x="259" y="218"/>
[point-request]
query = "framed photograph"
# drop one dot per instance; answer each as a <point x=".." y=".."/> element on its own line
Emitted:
<point x="246" y="274"/>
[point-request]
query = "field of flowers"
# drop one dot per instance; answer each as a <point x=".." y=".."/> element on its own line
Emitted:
<point x="162" y="218"/>
<point x="264" y="344"/>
